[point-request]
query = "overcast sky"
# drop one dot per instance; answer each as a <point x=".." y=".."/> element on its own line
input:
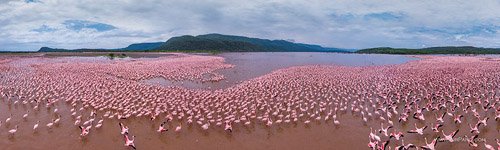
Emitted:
<point x="30" y="24"/>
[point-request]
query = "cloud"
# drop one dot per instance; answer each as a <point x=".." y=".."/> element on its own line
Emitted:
<point x="31" y="1"/>
<point x="472" y="30"/>
<point x="386" y="16"/>
<point x="44" y="28"/>
<point x="78" y="25"/>
<point x="30" y="24"/>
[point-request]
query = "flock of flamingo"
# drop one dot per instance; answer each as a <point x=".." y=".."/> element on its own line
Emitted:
<point x="435" y="99"/>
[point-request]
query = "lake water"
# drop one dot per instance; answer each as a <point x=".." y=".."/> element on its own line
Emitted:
<point x="351" y="134"/>
<point x="254" y="64"/>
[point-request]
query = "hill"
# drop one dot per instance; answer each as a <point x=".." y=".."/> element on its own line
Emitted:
<point x="48" y="49"/>
<point x="143" y="46"/>
<point x="212" y="42"/>
<point x="432" y="50"/>
<point x="230" y="43"/>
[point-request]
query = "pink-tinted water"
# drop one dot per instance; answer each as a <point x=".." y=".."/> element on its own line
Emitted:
<point x="352" y="133"/>
<point x="254" y="64"/>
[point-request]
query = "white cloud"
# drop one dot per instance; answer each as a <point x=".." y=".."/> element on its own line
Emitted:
<point x="339" y="23"/>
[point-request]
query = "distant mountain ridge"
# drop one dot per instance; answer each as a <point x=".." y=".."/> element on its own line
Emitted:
<point x="217" y="42"/>
<point x="239" y="44"/>
<point x="143" y="46"/>
<point x="48" y="49"/>
<point x="432" y="50"/>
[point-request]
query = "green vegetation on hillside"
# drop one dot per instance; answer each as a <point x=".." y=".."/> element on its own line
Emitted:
<point x="432" y="50"/>
<point x="189" y="51"/>
<point x="143" y="46"/>
<point x="211" y="43"/>
<point x="229" y="43"/>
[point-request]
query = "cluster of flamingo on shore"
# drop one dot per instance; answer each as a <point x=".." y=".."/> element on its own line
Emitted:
<point x="437" y="92"/>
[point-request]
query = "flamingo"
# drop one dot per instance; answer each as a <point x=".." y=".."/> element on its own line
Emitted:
<point x="383" y="146"/>
<point x="35" y="127"/>
<point x="450" y="136"/>
<point x="483" y="121"/>
<point x="472" y="141"/>
<point x="419" y="116"/>
<point x="77" y="122"/>
<point x="25" y="116"/>
<point x="129" y="142"/>
<point x="474" y="129"/>
<point x="336" y="122"/>
<point x="13" y="131"/>
<point x="8" y="119"/>
<point x="270" y="122"/>
<point x="488" y="147"/>
<point x="88" y="122"/>
<point x="228" y="127"/>
<point x="417" y="130"/>
<point x="178" y="128"/>
<point x="440" y="119"/>
<point x="384" y="130"/>
<point x="124" y="129"/>
<point x="56" y="121"/>
<point x="436" y="127"/>
<point x="374" y="136"/>
<point x="84" y="130"/>
<point x="430" y="146"/>
<point x="205" y="126"/>
<point x="160" y="129"/>
<point x="50" y="124"/>
<point x="405" y="147"/>
<point x="99" y="124"/>
<point x="497" y="117"/>
<point x="458" y="119"/>
<point x="372" y="144"/>
<point x="396" y="135"/>
<point x="305" y="122"/>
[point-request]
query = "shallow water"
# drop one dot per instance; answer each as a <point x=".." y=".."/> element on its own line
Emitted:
<point x="318" y="135"/>
<point x="254" y="64"/>
<point x="351" y="134"/>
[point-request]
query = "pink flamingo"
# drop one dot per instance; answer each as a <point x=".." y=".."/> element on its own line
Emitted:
<point x="161" y="128"/>
<point x="430" y="146"/>
<point x="129" y="142"/>
<point x="84" y="130"/>
<point x="418" y="130"/>
<point x="124" y="129"/>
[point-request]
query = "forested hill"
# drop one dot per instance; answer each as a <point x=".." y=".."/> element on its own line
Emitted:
<point x="432" y="50"/>
<point x="213" y="42"/>
<point x="239" y="44"/>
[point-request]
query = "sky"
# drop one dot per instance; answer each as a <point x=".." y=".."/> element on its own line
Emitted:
<point x="27" y="25"/>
